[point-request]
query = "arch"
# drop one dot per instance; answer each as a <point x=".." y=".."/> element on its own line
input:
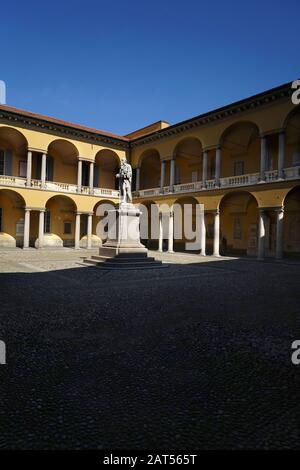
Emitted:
<point x="145" y="154"/>
<point x="14" y="137"/>
<point x="239" y="223"/>
<point x="12" y="206"/>
<point x="240" y="143"/>
<point x="291" y="227"/>
<point x="186" y="224"/>
<point x="107" y="163"/>
<point x="150" y="169"/>
<point x="13" y="152"/>
<point x="60" y="221"/>
<point x="292" y="128"/>
<point x="64" y="155"/>
<point x="101" y="230"/>
<point x="188" y="160"/>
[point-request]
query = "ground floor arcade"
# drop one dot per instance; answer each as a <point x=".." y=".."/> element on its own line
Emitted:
<point x="236" y="223"/>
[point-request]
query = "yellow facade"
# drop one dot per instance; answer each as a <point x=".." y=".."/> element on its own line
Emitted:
<point x="241" y="162"/>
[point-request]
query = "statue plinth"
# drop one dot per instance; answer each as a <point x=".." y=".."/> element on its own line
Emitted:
<point x="123" y="248"/>
<point x="124" y="234"/>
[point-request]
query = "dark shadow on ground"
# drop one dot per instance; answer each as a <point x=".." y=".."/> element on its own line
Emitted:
<point x="193" y="356"/>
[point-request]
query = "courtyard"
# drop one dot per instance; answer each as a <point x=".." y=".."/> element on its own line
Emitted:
<point x="194" y="356"/>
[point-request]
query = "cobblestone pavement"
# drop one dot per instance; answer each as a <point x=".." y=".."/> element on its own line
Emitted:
<point x="197" y="355"/>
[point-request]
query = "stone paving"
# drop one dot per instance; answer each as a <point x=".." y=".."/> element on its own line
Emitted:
<point x="197" y="355"/>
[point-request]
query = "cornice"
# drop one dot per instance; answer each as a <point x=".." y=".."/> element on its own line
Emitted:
<point x="234" y="109"/>
<point x="62" y="129"/>
<point x="18" y="118"/>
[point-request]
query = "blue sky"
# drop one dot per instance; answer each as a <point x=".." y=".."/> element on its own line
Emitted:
<point x="121" y="65"/>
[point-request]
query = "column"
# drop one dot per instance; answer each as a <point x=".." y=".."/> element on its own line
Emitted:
<point x="77" y="231"/>
<point x="261" y="234"/>
<point x="218" y="166"/>
<point x="29" y="166"/>
<point x="162" y="174"/>
<point x="203" y="234"/>
<point x="171" y="231"/>
<point x="217" y="234"/>
<point x="91" y="177"/>
<point x="137" y="179"/>
<point x="41" y="227"/>
<point x="79" y="175"/>
<point x="281" y="154"/>
<point x="160" y="236"/>
<point x="279" y="233"/>
<point x="89" y="231"/>
<point x="263" y="157"/>
<point x="26" y="228"/>
<point x="44" y="168"/>
<point x="204" y="168"/>
<point x="172" y="173"/>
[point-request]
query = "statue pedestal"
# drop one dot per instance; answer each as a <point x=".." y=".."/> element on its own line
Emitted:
<point x="124" y="234"/>
<point x="123" y="248"/>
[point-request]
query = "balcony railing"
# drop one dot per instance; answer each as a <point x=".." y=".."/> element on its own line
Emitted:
<point x="292" y="173"/>
<point x="54" y="186"/>
<point x="228" y="182"/>
<point x="239" y="180"/>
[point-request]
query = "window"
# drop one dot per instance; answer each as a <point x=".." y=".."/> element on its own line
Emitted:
<point x="47" y="222"/>
<point x="67" y="227"/>
<point x="1" y="220"/>
<point x="238" y="168"/>
<point x="20" y="227"/>
<point x="237" y="228"/>
<point x="1" y="162"/>
<point x="23" y="169"/>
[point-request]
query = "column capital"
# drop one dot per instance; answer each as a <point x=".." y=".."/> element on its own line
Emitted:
<point x="279" y="209"/>
<point x="84" y="213"/>
<point x="263" y="135"/>
<point x="34" y="149"/>
<point x="212" y="211"/>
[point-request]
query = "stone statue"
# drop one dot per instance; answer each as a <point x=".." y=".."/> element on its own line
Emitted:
<point x="125" y="177"/>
